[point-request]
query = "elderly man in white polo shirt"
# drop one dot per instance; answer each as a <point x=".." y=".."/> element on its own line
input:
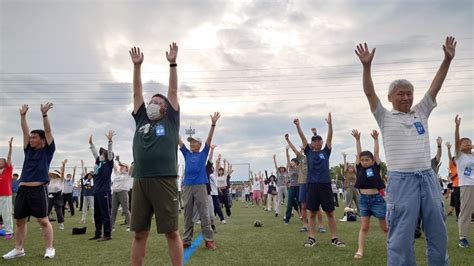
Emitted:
<point x="413" y="188"/>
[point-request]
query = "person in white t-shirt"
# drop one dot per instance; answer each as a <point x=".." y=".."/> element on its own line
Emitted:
<point x="412" y="185"/>
<point x="256" y="183"/>
<point x="55" y="191"/>
<point x="465" y="166"/>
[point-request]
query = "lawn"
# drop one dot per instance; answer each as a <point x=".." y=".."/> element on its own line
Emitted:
<point x="238" y="243"/>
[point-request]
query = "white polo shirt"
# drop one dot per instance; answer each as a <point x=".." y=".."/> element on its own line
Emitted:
<point x="465" y="167"/>
<point x="405" y="136"/>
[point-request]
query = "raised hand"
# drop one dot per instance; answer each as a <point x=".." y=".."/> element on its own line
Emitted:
<point x="215" y="117"/>
<point x="439" y="141"/>
<point x="213" y="146"/>
<point x="219" y="157"/>
<point x="46" y="107"/>
<point x="274" y="156"/>
<point x="449" y="48"/>
<point x="344" y="154"/>
<point x="329" y="119"/>
<point x="374" y="134"/>
<point x="448" y="145"/>
<point x="364" y="55"/>
<point x="90" y="140"/>
<point x="64" y="162"/>
<point x="110" y="135"/>
<point x="10" y="142"/>
<point x="136" y="55"/>
<point x="296" y="121"/>
<point x="457" y="120"/>
<point x="356" y="134"/>
<point x="287" y="137"/>
<point x="24" y="109"/>
<point x="314" y="131"/>
<point x="173" y="53"/>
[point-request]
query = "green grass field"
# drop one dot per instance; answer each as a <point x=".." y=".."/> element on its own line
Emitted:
<point x="238" y="243"/>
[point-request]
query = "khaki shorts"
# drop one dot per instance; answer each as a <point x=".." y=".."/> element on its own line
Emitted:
<point x="158" y="196"/>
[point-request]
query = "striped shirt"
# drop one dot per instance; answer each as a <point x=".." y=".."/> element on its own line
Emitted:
<point x="405" y="136"/>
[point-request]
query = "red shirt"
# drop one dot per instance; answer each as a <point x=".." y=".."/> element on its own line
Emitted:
<point x="6" y="180"/>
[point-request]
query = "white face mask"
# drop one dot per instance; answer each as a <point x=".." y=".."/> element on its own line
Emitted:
<point x="153" y="112"/>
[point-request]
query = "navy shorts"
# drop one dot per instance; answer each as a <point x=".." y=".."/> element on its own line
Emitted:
<point x="303" y="193"/>
<point x="372" y="205"/>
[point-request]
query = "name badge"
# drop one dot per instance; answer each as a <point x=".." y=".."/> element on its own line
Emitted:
<point x="419" y="127"/>
<point x="160" y="130"/>
<point x="321" y="156"/>
<point x="369" y="172"/>
<point x="467" y="171"/>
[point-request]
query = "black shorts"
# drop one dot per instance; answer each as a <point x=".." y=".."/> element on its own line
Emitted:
<point x="320" y="194"/>
<point x="31" y="201"/>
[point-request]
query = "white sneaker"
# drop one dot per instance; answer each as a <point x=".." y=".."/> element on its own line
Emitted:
<point x="128" y="229"/>
<point x="50" y="253"/>
<point x="344" y="219"/>
<point x="14" y="253"/>
<point x="61" y="226"/>
<point x="223" y="221"/>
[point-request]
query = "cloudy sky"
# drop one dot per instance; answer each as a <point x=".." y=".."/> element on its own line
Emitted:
<point x="260" y="63"/>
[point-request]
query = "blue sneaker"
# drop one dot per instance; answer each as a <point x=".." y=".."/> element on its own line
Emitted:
<point x="463" y="243"/>
<point x="322" y="230"/>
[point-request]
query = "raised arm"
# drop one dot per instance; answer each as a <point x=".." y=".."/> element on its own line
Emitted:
<point x="83" y="169"/>
<point x="24" y="125"/>
<point x="218" y="161"/>
<point x="74" y="174"/>
<point x="214" y="119"/>
<point x="211" y="153"/>
<point x="173" y="81"/>
<point x="296" y="151"/>
<point x="296" y="121"/>
<point x="275" y="162"/>
<point x="457" y="142"/>
<point x="287" y="158"/>
<point x="63" y="168"/>
<point x="439" y="142"/>
<point x="109" y="136"/>
<point x="344" y="158"/>
<point x="93" y="149"/>
<point x="137" y="59"/>
<point x="46" y="124"/>
<point x="450" y="159"/>
<point x="10" y="148"/>
<point x="375" y="136"/>
<point x="330" y="131"/>
<point x="180" y="142"/>
<point x="366" y="58"/>
<point x="356" y="134"/>
<point x="449" y="49"/>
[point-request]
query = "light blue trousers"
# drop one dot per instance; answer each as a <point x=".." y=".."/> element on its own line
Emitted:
<point x="413" y="194"/>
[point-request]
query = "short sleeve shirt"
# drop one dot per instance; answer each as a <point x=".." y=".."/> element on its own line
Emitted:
<point x="281" y="178"/>
<point x="195" y="166"/>
<point x="369" y="177"/>
<point x="155" y="144"/>
<point x="37" y="162"/>
<point x="405" y="136"/>
<point x="318" y="165"/>
<point x="6" y="180"/>
<point x="465" y="168"/>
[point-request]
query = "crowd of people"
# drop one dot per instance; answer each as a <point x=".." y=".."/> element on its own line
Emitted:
<point x="408" y="200"/>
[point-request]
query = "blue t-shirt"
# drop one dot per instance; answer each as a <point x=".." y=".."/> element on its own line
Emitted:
<point x="87" y="187"/>
<point x="103" y="175"/>
<point x="195" y="166"/>
<point x="15" y="185"/>
<point x="37" y="162"/>
<point x="318" y="165"/>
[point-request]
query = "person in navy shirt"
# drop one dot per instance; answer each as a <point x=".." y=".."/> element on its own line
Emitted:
<point x="32" y="199"/>
<point x="319" y="182"/>
<point x="104" y="165"/>
<point x="194" y="186"/>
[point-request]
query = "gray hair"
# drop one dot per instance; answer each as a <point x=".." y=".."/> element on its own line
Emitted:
<point x="399" y="83"/>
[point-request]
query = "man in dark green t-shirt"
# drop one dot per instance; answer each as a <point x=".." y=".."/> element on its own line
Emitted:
<point x="155" y="171"/>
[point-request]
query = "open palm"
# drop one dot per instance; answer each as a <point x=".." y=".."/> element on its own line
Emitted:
<point x="173" y="53"/>
<point x="364" y="55"/>
<point x="136" y="55"/>
<point x="449" y="47"/>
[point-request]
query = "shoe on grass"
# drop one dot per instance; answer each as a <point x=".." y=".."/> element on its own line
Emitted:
<point x="303" y="229"/>
<point x="463" y="243"/>
<point x="310" y="242"/>
<point x="14" y="253"/>
<point x="9" y="236"/>
<point x="338" y="243"/>
<point x="50" y="253"/>
<point x="95" y="238"/>
<point x="322" y="230"/>
<point x="211" y="245"/>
